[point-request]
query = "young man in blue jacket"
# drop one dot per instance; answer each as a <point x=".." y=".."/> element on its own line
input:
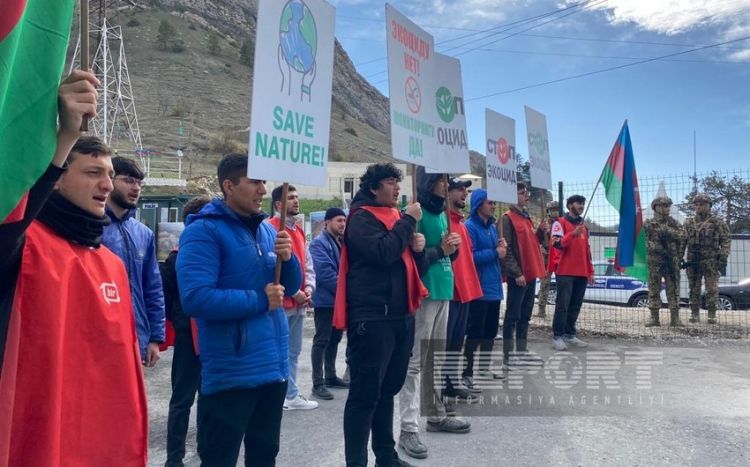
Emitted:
<point x="325" y="250"/>
<point x="134" y="243"/>
<point x="225" y="272"/>
<point x="484" y="313"/>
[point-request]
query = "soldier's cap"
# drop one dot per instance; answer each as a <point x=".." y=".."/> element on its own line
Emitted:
<point x="455" y="183"/>
<point x="666" y="200"/>
<point x="702" y="198"/>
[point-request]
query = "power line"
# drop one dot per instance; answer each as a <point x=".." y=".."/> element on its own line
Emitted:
<point x="582" y="75"/>
<point x="503" y="26"/>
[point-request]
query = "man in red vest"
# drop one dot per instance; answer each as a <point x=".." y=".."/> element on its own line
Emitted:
<point x="295" y="306"/>
<point x="71" y="384"/>
<point x="523" y="266"/>
<point x="466" y="288"/>
<point x="570" y="260"/>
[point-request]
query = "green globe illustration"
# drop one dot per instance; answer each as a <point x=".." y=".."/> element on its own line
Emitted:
<point x="298" y="36"/>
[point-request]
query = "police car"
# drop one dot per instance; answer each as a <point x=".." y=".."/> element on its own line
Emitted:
<point x="612" y="287"/>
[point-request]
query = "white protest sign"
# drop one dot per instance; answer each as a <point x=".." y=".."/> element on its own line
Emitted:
<point x="291" y="108"/>
<point x="536" y="135"/>
<point x="502" y="160"/>
<point x="449" y="117"/>
<point x="411" y="64"/>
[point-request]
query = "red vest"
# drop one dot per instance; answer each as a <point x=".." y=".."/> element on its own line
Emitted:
<point x="71" y="391"/>
<point x="575" y="257"/>
<point x="466" y="281"/>
<point x="298" y="248"/>
<point x="415" y="289"/>
<point x="532" y="264"/>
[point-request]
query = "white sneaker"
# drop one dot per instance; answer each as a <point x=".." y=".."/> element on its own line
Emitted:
<point x="300" y="403"/>
<point x="559" y="344"/>
<point x="576" y="342"/>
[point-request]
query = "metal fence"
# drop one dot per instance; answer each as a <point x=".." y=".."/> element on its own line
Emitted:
<point x="610" y="310"/>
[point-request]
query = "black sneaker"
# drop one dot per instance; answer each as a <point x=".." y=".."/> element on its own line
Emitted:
<point x="396" y="462"/>
<point x="322" y="392"/>
<point x="337" y="383"/>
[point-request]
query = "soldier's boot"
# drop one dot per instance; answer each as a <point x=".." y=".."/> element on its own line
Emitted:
<point x="695" y="316"/>
<point x="711" y="317"/>
<point x="542" y="313"/>
<point x="674" y="318"/>
<point x="654" y="319"/>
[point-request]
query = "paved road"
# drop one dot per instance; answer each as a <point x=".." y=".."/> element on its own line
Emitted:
<point x="692" y="408"/>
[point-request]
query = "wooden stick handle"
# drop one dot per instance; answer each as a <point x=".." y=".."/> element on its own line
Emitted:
<point x="282" y="225"/>
<point x="85" y="49"/>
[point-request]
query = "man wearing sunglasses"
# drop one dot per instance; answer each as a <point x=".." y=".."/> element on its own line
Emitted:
<point x="134" y="243"/>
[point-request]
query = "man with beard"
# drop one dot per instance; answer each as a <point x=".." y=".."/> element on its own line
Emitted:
<point x="296" y="305"/>
<point x="431" y="321"/>
<point x="466" y="288"/>
<point x="134" y="243"/>
<point x="378" y="292"/>
<point x="523" y="266"/>
<point x="71" y="383"/>
<point x="570" y="260"/>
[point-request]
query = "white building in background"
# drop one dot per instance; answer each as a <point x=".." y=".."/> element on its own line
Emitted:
<point x="343" y="182"/>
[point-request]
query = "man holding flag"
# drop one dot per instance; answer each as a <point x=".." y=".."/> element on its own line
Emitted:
<point x="571" y="263"/>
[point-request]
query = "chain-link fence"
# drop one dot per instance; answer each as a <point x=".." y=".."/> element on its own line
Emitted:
<point x="617" y="304"/>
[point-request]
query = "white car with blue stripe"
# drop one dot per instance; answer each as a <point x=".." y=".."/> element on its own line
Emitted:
<point x="612" y="287"/>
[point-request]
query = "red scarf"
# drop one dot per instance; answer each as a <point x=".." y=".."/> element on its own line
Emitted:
<point x="415" y="290"/>
<point x="467" y="286"/>
<point x="532" y="264"/>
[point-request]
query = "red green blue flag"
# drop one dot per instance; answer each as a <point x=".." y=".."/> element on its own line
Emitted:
<point x="33" y="42"/>
<point x="621" y="186"/>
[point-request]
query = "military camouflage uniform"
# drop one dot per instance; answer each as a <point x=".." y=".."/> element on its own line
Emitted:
<point x="708" y="243"/>
<point x="553" y="212"/>
<point x="665" y="243"/>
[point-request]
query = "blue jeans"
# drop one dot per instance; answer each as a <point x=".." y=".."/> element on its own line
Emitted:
<point x="570" y="292"/>
<point x="295" y="348"/>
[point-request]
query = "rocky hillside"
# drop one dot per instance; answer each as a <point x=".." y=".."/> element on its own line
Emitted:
<point x="193" y="90"/>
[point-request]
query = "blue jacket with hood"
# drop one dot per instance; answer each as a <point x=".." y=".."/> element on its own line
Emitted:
<point x="222" y="271"/>
<point x="484" y="241"/>
<point x="134" y="243"/>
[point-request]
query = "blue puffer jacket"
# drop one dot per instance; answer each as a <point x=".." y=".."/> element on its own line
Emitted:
<point x="222" y="271"/>
<point x="134" y="243"/>
<point x="325" y="254"/>
<point x="484" y="241"/>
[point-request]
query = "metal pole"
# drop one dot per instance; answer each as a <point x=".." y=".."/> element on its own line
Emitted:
<point x="85" y="49"/>
<point x="282" y="226"/>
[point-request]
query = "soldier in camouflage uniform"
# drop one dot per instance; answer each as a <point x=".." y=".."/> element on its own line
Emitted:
<point x="708" y="243"/>
<point x="665" y="243"/>
<point x="543" y="234"/>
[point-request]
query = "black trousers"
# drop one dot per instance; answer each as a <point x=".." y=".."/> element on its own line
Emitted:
<point x="458" y="318"/>
<point x="229" y="416"/>
<point x="518" y="309"/>
<point x="186" y="379"/>
<point x="570" y="292"/>
<point x="378" y="355"/>
<point x="484" y="317"/>
<point x="325" y="346"/>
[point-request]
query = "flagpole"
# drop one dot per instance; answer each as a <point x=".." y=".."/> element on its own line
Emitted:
<point x="594" y="192"/>
<point x="85" y="49"/>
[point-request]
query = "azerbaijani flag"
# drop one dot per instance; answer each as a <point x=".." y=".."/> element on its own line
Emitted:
<point x="33" y="41"/>
<point x="621" y="187"/>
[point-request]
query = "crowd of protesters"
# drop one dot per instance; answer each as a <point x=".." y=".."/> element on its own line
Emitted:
<point x="81" y="283"/>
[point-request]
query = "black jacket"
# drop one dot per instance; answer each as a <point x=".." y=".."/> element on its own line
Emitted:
<point x="172" y="305"/>
<point x="376" y="279"/>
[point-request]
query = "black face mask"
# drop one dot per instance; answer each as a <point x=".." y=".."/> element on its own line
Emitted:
<point x="71" y="222"/>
